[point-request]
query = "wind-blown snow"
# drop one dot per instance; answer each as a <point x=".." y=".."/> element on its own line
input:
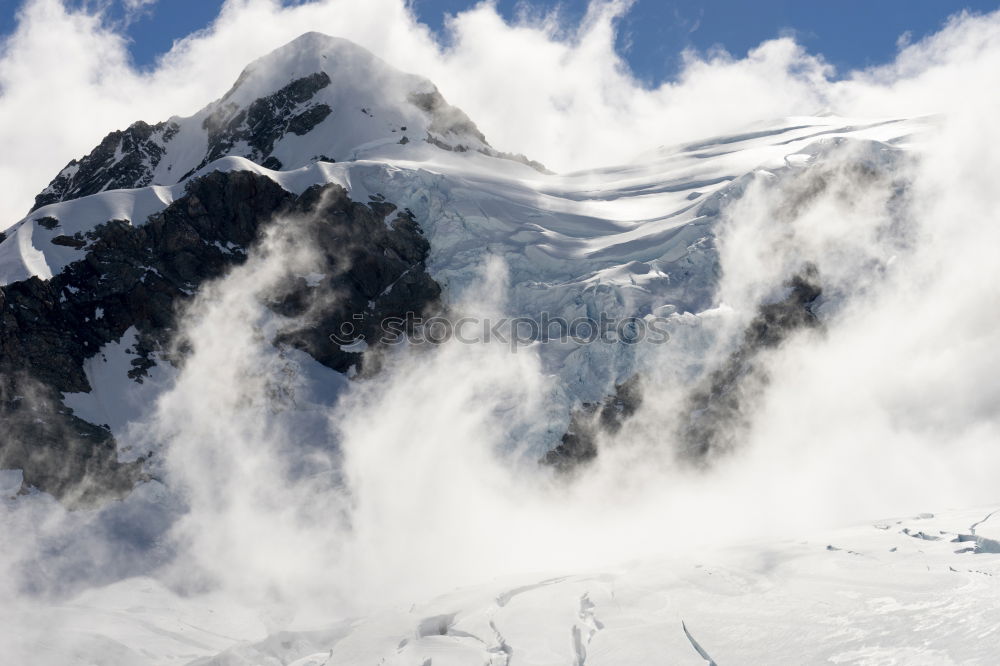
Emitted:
<point x="622" y="240"/>
<point x="298" y="517"/>
<point x="907" y="590"/>
<point x="565" y="225"/>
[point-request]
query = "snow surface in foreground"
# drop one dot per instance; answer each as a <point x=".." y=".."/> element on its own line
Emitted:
<point x="918" y="590"/>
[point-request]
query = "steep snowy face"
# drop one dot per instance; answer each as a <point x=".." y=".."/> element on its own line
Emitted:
<point x="190" y="321"/>
<point x="316" y="98"/>
<point x="127" y="236"/>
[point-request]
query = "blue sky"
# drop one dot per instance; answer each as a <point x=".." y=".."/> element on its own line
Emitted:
<point x="849" y="33"/>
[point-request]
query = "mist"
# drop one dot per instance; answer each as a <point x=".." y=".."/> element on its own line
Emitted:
<point x="310" y="501"/>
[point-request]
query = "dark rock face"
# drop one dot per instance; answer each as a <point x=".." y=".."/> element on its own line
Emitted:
<point x="445" y="119"/>
<point x="141" y="276"/>
<point x="579" y="444"/>
<point x="449" y="125"/>
<point x="69" y="241"/>
<point x="129" y="158"/>
<point x="374" y="271"/>
<point x="266" y="121"/>
<point x="716" y="412"/>
<point x="72" y="459"/>
<point x="124" y="159"/>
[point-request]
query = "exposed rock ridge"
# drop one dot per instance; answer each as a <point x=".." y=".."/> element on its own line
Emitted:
<point x="140" y="276"/>
<point x="266" y="121"/>
<point x="124" y="159"/>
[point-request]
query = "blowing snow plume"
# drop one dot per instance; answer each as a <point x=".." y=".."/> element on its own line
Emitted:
<point x="419" y="401"/>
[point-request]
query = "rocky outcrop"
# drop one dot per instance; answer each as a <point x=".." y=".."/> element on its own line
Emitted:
<point x="593" y="420"/>
<point x="265" y="121"/>
<point x="450" y="129"/>
<point x="129" y="158"/>
<point x="124" y="159"/>
<point x="72" y="459"/>
<point x="315" y="79"/>
<point x="371" y="257"/>
<point x="716" y="412"/>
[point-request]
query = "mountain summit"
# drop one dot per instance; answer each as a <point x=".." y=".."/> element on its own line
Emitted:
<point x="405" y="204"/>
<point x="278" y="375"/>
<point x="316" y="98"/>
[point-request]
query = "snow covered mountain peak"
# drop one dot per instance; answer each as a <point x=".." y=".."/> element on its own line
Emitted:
<point x="124" y="238"/>
<point x="369" y="102"/>
<point x="310" y="53"/>
<point x="318" y="98"/>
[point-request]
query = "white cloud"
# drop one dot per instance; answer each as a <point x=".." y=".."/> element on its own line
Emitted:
<point x="562" y="96"/>
<point x="895" y="406"/>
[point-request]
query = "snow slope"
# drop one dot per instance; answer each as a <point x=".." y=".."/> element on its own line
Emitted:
<point x="640" y="229"/>
<point x="316" y="97"/>
<point x="915" y="590"/>
<point x="630" y="240"/>
<point x="565" y="226"/>
<point x="625" y="241"/>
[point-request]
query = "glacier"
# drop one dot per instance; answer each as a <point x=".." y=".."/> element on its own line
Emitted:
<point x="294" y="514"/>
